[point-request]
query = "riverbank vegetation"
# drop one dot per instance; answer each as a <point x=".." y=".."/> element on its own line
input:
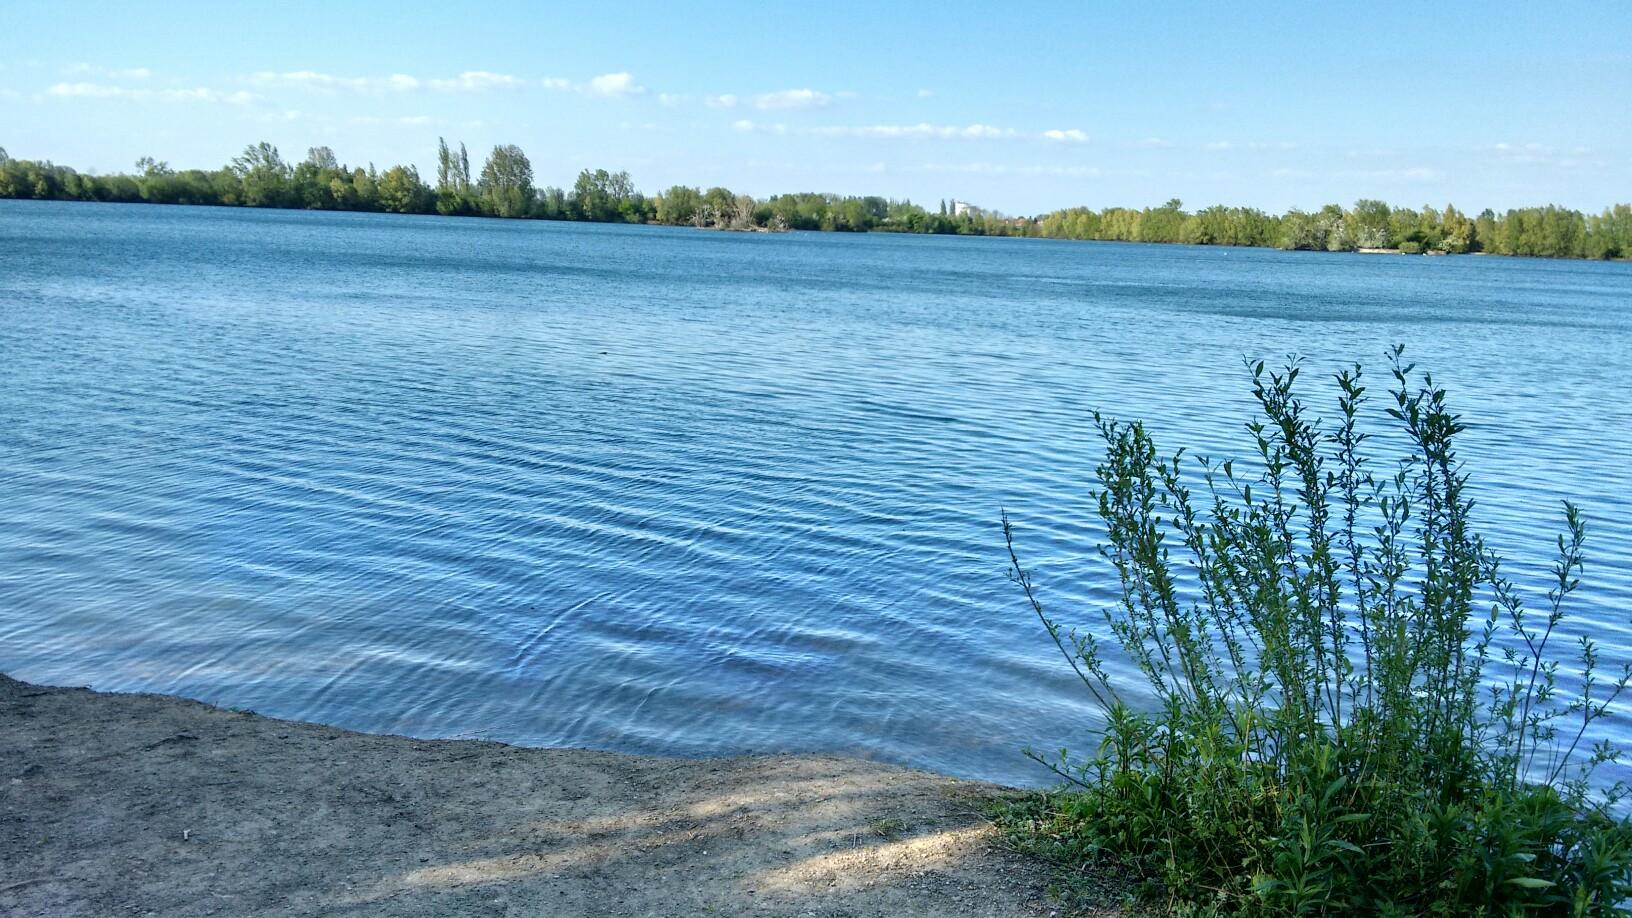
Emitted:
<point x="504" y="187"/>
<point x="1344" y="704"/>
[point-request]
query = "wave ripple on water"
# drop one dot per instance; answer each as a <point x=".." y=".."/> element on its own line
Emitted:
<point x="690" y="493"/>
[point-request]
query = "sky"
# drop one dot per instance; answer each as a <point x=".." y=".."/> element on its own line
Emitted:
<point x="1021" y="107"/>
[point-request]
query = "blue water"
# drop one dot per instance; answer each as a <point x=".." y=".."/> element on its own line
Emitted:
<point x="670" y="491"/>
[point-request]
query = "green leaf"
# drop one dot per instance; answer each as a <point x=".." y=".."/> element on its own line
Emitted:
<point x="1531" y="882"/>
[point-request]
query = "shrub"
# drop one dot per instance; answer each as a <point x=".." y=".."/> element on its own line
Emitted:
<point x="1353" y="709"/>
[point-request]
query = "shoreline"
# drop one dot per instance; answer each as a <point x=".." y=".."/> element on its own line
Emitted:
<point x="884" y="230"/>
<point x="148" y="804"/>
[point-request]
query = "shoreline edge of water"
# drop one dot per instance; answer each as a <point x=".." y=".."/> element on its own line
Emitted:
<point x="112" y="802"/>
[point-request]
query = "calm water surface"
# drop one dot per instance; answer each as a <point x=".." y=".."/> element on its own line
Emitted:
<point x="679" y="492"/>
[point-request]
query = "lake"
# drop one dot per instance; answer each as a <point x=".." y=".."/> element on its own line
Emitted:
<point x="669" y="491"/>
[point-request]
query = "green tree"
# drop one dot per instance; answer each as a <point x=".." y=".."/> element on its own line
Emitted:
<point x="1367" y="224"/>
<point x="401" y="192"/>
<point x="678" y="205"/>
<point x="322" y="158"/>
<point x="506" y="187"/>
<point x="264" y="176"/>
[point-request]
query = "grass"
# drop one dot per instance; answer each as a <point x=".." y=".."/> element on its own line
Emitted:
<point x="1354" y="709"/>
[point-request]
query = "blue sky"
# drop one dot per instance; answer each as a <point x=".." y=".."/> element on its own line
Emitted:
<point x="1022" y="107"/>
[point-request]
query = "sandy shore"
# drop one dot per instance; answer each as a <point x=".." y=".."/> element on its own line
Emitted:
<point x="116" y="804"/>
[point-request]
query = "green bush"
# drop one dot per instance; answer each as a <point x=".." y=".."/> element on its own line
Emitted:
<point x="1353" y="710"/>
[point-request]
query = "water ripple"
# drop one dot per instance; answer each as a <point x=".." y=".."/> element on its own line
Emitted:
<point x="665" y="491"/>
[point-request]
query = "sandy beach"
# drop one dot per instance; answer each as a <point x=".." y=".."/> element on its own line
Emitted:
<point x="122" y="804"/>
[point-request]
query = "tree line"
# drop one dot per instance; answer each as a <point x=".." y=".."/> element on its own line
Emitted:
<point x="1551" y="231"/>
<point x="505" y="187"/>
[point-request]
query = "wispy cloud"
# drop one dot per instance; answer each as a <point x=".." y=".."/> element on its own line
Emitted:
<point x="749" y="127"/>
<point x="615" y="84"/>
<point x="792" y="99"/>
<point x="469" y="81"/>
<point x="142" y="94"/>
<point x="607" y="85"/>
<point x="981" y="168"/>
<point x="921" y="130"/>
<point x="311" y="79"/>
<point x="1068" y="135"/>
<point x="781" y="100"/>
<point x="114" y="73"/>
<point x="476" y="81"/>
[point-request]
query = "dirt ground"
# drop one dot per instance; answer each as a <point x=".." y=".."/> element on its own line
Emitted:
<point x="115" y="804"/>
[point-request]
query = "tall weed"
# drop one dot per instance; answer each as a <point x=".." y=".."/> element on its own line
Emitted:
<point x="1354" y="710"/>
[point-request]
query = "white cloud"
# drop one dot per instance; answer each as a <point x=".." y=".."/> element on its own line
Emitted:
<point x="925" y="93"/>
<point x="469" y="81"/>
<point x="117" y="73"/>
<point x="476" y="81"/>
<point x="615" y="84"/>
<point x="967" y="168"/>
<point x="1413" y="174"/>
<point x="414" y="119"/>
<point x="783" y="100"/>
<point x="103" y="91"/>
<point x="1221" y="145"/>
<point x="753" y="127"/>
<point x="980" y="168"/>
<point x="309" y="79"/>
<point x="1069" y="135"/>
<point x="555" y="83"/>
<point x="921" y="130"/>
<point x="1155" y="143"/>
<point x="792" y="99"/>
<point x="672" y="100"/>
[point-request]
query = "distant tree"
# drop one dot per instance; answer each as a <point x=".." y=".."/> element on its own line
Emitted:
<point x="1368" y="225"/>
<point x="1163" y="224"/>
<point x="4" y="156"/>
<point x="1456" y="231"/>
<point x="263" y="174"/>
<point x="444" y="166"/>
<point x="592" y="196"/>
<point x="678" y="205"/>
<point x="401" y="191"/>
<point x="551" y="205"/>
<point x="365" y="189"/>
<point x="742" y="212"/>
<point x="322" y="158"/>
<point x="506" y="188"/>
